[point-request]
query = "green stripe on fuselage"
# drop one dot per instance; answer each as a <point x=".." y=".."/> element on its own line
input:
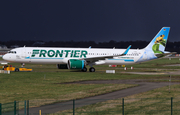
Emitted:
<point x="59" y="53"/>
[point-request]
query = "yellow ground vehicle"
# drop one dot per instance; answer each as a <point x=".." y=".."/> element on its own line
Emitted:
<point x="10" y="68"/>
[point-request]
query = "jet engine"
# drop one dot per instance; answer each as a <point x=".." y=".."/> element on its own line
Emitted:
<point x="76" y="64"/>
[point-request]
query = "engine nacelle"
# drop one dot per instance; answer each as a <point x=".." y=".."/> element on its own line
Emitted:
<point x="62" y="66"/>
<point x="76" y="64"/>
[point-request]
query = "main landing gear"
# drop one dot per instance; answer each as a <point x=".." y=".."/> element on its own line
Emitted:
<point x="91" y="69"/>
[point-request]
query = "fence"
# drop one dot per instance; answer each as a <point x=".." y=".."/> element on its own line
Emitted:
<point x="9" y="108"/>
<point x="139" y="106"/>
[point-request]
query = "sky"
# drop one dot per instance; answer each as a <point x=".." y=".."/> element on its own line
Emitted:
<point x="88" y="20"/>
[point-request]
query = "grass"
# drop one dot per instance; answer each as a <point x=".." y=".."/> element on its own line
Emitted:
<point x="45" y="84"/>
<point x="35" y="85"/>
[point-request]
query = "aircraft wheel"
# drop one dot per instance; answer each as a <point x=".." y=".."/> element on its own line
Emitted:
<point x="84" y="69"/>
<point x="17" y="69"/>
<point x="92" y="69"/>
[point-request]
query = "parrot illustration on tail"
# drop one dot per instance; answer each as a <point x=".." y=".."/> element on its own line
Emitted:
<point x="159" y="41"/>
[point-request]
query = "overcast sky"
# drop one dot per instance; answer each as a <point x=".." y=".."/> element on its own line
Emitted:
<point x="88" y="20"/>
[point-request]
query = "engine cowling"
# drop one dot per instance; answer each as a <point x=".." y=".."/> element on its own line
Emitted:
<point x="76" y="64"/>
<point x="62" y="66"/>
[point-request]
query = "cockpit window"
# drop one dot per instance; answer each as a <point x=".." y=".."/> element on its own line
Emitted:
<point x="13" y="52"/>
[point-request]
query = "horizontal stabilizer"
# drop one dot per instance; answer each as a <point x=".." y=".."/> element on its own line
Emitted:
<point x="165" y="54"/>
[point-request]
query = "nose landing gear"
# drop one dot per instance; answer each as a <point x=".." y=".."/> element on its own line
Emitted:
<point x="22" y="64"/>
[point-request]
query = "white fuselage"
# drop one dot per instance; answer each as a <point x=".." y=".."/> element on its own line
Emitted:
<point x="48" y="55"/>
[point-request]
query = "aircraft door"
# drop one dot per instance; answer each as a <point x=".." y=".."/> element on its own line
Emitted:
<point x="23" y="53"/>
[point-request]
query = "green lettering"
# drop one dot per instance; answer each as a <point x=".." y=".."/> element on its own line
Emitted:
<point x="83" y="53"/>
<point x="76" y="53"/>
<point x="72" y="53"/>
<point x="43" y="53"/>
<point x="67" y="51"/>
<point x="59" y="53"/>
<point x="51" y="54"/>
<point x="34" y="53"/>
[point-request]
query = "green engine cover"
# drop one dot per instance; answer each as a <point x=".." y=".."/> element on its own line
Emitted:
<point x="75" y="64"/>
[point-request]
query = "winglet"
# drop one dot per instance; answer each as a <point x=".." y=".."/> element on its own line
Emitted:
<point x="127" y="50"/>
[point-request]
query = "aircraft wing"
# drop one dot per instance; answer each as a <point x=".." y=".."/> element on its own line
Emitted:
<point x="93" y="59"/>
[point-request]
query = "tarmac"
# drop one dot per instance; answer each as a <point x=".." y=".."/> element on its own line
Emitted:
<point x="156" y="73"/>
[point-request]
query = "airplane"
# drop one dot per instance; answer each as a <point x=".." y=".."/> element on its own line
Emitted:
<point x="79" y="58"/>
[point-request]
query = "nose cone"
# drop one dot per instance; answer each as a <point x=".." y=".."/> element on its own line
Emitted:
<point x="5" y="57"/>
